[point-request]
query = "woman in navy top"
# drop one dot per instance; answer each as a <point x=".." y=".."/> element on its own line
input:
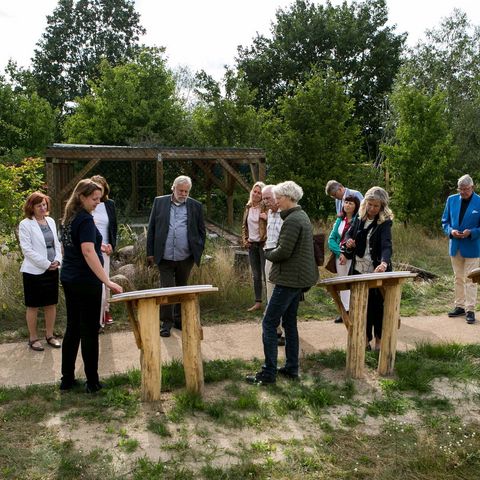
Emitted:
<point x="82" y="276"/>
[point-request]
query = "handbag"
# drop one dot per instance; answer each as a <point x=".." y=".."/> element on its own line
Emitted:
<point x="331" y="264"/>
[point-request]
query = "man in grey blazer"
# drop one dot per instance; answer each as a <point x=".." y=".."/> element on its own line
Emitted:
<point x="175" y="241"/>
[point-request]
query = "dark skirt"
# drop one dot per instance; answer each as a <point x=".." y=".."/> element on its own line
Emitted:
<point x="41" y="290"/>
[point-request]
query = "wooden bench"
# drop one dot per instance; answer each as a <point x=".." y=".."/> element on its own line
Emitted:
<point x="143" y="308"/>
<point x="356" y="320"/>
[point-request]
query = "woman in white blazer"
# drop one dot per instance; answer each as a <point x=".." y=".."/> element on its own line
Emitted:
<point x="42" y="258"/>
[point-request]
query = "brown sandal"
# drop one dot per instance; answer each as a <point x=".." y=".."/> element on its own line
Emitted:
<point x="53" y="342"/>
<point x="37" y="348"/>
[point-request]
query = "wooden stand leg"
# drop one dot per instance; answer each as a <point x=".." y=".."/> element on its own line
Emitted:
<point x="192" y="353"/>
<point x="150" y="359"/>
<point x="357" y="331"/>
<point x="391" y="314"/>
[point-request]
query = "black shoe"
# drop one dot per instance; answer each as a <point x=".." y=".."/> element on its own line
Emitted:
<point x="338" y="320"/>
<point x="259" y="379"/>
<point x="285" y="373"/>
<point x="470" y="317"/>
<point x="280" y="340"/>
<point x="68" y="384"/>
<point x="165" y="332"/>
<point x="93" y="387"/>
<point x="457" y="312"/>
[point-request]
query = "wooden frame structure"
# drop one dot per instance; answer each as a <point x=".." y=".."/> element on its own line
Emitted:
<point x="61" y="176"/>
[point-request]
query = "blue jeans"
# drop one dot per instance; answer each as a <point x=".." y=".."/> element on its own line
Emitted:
<point x="283" y="305"/>
<point x="257" y="264"/>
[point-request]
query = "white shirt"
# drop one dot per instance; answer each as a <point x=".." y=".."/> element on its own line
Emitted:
<point x="274" y="225"/>
<point x="100" y="217"/>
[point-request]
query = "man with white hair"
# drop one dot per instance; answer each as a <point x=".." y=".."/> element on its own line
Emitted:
<point x="274" y="224"/>
<point x="175" y="241"/>
<point x="461" y="222"/>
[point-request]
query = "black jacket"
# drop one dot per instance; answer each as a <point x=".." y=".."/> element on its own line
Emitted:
<point x="380" y="242"/>
<point x="112" y="222"/>
<point x="160" y="221"/>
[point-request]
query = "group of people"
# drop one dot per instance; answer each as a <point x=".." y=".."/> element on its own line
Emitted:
<point x="87" y="239"/>
<point x="361" y="240"/>
<point x="279" y="238"/>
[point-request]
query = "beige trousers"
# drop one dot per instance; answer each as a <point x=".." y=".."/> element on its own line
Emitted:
<point x="465" y="289"/>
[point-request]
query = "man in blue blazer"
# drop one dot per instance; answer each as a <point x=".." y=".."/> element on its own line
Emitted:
<point x="175" y="241"/>
<point x="461" y="222"/>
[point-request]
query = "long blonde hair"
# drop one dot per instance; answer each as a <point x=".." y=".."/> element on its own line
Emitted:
<point x="377" y="194"/>
<point x="84" y="187"/>
<point x="256" y="184"/>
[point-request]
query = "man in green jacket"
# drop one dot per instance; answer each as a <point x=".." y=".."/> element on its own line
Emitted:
<point x="294" y="271"/>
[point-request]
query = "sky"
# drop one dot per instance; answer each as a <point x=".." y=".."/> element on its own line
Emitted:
<point x="205" y="34"/>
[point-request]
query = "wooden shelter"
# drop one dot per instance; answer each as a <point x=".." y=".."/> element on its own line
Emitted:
<point x="219" y="167"/>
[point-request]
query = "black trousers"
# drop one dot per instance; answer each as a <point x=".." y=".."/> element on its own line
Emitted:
<point x="173" y="274"/>
<point x="83" y="303"/>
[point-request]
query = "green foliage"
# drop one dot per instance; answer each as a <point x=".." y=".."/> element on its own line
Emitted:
<point x="352" y="38"/>
<point x="79" y="34"/>
<point x="314" y="138"/>
<point x="129" y="103"/>
<point x="422" y="149"/>
<point x="16" y="183"/>
<point x="27" y="122"/>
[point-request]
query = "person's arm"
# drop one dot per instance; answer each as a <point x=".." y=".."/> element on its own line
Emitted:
<point x="334" y="238"/>
<point x="286" y="242"/>
<point x="91" y="257"/>
<point x="26" y="237"/>
<point x="58" y="246"/>
<point x="385" y="246"/>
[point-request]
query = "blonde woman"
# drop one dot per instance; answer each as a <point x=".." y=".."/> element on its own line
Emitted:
<point x="369" y="245"/>
<point x="82" y="277"/>
<point x="254" y="234"/>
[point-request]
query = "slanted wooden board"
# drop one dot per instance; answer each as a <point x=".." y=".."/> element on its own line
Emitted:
<point x="355" y="320"/>
<point x="143" y="308"/>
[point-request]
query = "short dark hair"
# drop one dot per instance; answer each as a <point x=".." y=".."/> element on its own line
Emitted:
<point x="34" y="199"/>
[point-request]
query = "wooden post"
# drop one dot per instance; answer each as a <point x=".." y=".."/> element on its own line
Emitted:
<point x="357" y="331"/>
<point x="262" y="170"/>
<point x="52" y="190"/>
<point x="159" y="174"/>
<point x="150" y="359"/>
<point x="191" y="338"/>
<point x="391" y="315"/>
<point x="230" y="189"/>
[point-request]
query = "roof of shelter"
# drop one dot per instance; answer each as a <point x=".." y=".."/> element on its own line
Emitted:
<point x="151" y="152"/>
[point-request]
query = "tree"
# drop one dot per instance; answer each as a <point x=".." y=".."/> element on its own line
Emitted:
<point x="228" y="120"/>
<point x="131" y="103"/>
<point x="352" y="39"/>
<point x="419" y="155"/>
<point x="27" y="122"/>
<point x="449" y="61"/>
<point x="314" y="138"/>
<point x="79" y="34"/>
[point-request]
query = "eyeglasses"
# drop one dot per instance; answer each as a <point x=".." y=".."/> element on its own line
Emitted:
<point x="465" y="189"/>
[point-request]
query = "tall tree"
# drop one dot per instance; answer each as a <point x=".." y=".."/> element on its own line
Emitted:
<point x="27" y="122"/>
<point x="79" y="34"/>
<point x="449" y="61"/>
<point x="314" y="138"/>
<point x="419" y="156"/>
<point x="353" y="39"/>
<point x="131" y="103"/>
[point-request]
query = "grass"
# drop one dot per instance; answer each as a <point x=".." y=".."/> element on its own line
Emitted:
<point x="320" y="427"/>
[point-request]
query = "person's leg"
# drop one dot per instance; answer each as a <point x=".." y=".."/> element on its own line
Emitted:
<point x="281" y="299"/>
<point x="31" y="316"/>
<point x="342" y="270"/>
<point x="182" y="274"/>
<point x="376" y="312"/>
<point x="289" y="321"/>
<point x="257" y="273"/>
<point x="50" y="312"/>
<point x="167" y="279"/>
<point x="92" y="304"/>
<point x="459" y="271"/>
<point x="71" y="339"/>
<point x="470" y="286"/>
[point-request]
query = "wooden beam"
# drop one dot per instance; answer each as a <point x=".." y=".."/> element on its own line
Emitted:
<point x="210" y="175"/>
<point x="81" y="174"/>
<point x="160" y="176"/>
<point x="234" y="174"/>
